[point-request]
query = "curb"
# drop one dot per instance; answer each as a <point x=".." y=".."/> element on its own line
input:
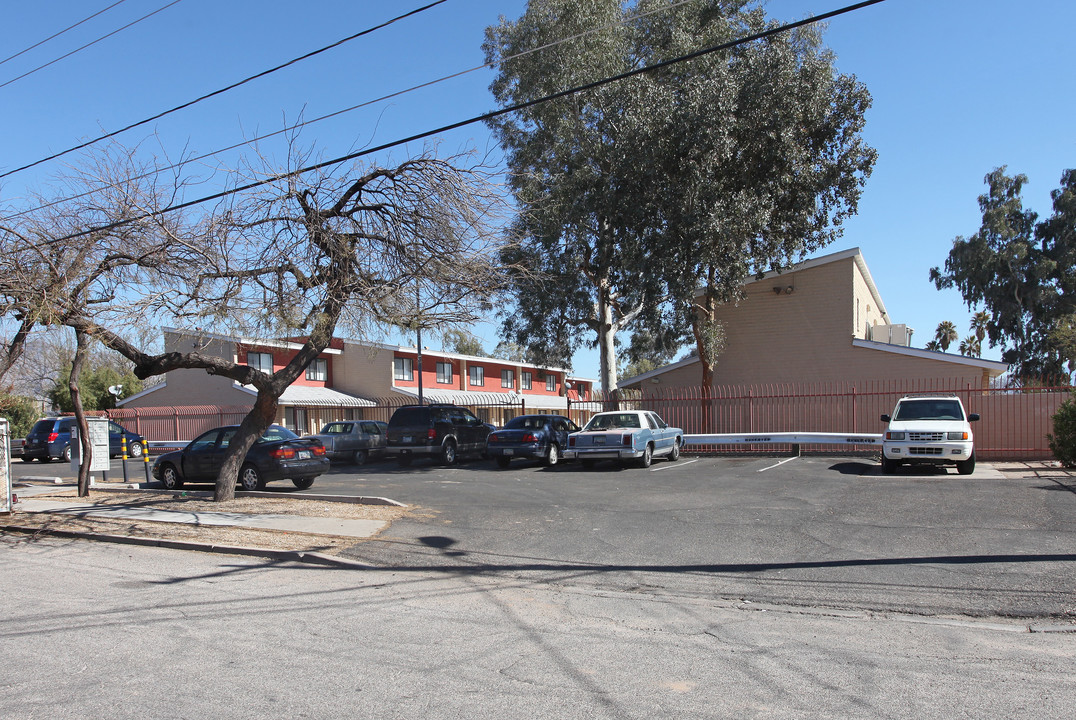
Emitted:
<point x="302" y="556"/>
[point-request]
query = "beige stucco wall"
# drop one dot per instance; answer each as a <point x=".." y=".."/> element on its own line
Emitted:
<point x="195" y="387"/>
<point x="363" y="370"/>
<point x="805" y="336"/>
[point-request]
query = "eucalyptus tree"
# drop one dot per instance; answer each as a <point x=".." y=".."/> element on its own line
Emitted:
<point x="671" y="187"/>
<point x="1022" y="271"/>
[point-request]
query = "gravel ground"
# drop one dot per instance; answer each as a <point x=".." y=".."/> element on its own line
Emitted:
<point x="213" y="535"/>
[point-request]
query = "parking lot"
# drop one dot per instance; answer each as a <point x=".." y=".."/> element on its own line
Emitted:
<point x="813" y="531"/>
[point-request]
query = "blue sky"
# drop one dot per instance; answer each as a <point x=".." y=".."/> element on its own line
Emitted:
<point x="960" y="87"/>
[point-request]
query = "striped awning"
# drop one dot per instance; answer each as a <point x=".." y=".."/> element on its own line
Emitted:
<point x="486" y="399"/>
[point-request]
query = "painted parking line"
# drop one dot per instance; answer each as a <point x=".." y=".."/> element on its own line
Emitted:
<point x="673" y="465"/>
<point x="771" y="467"/>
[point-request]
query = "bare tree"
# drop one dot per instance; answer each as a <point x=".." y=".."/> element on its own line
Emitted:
<point x="304" y="254"/>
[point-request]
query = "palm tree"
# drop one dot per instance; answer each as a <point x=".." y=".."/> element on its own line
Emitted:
<point x="979" y="321"/>
<point x="933" y="346"/>
<point x="970" y="346"/>
<point x="945" y="334"/>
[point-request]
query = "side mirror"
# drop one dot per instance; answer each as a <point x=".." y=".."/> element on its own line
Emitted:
<point x="973" y="417"/>
<point x="885" y="418"/>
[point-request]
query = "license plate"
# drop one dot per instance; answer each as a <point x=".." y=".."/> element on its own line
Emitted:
<point x="406" y="438"/>
<point x="303" y="454"/>
<point x="600" y="440"/>
<point x="508" y="452"/>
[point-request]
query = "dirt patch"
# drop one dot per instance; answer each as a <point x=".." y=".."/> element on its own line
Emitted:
<point x="214" y="535"/>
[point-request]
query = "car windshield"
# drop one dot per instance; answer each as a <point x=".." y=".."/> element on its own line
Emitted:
<point x="613" y="421"/>
<point x="929" y="410"/>
<point x="525" y="422"/>
<point x="337" y="429"/>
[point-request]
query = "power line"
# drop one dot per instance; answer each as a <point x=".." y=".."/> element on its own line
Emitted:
<point x="363" y="104"/>
<point x="482" y="118"/>
<point x="103" y="37"/>
<point x="159" y="115"/>
<point x="58" y="34"/>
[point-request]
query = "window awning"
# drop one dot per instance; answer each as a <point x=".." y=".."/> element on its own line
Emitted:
<point x="306" y="396"/>
<point x="486" y="399"/>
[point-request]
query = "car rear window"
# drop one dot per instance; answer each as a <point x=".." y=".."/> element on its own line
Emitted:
<point x="410" y="416"/>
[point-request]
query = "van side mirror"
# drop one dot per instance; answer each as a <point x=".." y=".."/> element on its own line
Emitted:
<point x="885" y="418"/>
<point x="973" y="417"/>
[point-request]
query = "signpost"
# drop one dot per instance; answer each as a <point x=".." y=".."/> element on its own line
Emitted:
<point x="97" y="430"/>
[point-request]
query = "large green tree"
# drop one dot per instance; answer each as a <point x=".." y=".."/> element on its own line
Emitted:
<point x="1023" y="272"/>
<point x="636" y="194"/>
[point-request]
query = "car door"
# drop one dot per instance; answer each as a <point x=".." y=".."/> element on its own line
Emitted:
<point x="662" y="441"/>
<point x="562" y="427"/>
<point x="374" y="438"/>
<point x="202" y="458"/>
<point x="473" y="430"/>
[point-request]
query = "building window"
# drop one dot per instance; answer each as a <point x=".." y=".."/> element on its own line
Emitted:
<point x="508" y="378"/>
<point x="551" y="383"/>
<point x="261" y="361"/>
<point x="477" y="374"/>
<point x="402" y="369"/>
<point x="444" y="373"/>
<point x="526" y="379"/>
<point x="318" y="370"/>
<point x="295" y="420"/>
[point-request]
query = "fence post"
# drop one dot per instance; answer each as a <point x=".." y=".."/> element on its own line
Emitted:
<point x="854" y="428"/>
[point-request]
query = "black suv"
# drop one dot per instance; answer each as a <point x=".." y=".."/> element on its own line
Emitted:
<point x="438" y="431"/>
<point x="51" y="438"/>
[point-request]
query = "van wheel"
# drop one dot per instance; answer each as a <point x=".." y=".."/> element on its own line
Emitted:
<point x="889" y="466"/>
<point x="134" y="450"/>
<point x="65" y="455"/>
<point x="966" y="467"/>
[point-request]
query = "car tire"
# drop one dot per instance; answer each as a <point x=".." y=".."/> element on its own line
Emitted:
<point x="302" y="483"/>
<point x="170" y="478"/>
<point x="889" y="466"/>
<point x="26" y="459"/>
<point x="966" y="467"/>
<point x="675" y="454"/>
<point x="648" y="456"/>
<point x="65" y="454"/>
<point x="448" y="453"/>
<point x="360" y="457"/>
<point x="503" y="461"/>
<point x="250" y="478"/>
<point x="552" y="456"/>
<point x="135" y="450"/>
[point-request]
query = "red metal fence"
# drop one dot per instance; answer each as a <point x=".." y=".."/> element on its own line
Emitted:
<point x="1014" y="422"/>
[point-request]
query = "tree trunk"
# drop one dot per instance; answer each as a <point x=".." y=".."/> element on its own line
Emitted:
<point x="86" y="448"/>
<point x="260" y="417"/>
<point x="606" y="342"/>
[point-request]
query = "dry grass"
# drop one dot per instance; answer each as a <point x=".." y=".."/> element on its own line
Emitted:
<point x="214" y="535"/>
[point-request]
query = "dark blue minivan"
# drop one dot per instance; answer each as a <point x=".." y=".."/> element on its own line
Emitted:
<point x="51" y="438"/>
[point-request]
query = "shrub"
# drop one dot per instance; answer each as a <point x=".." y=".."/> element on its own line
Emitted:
<point x="1063" y="439"/>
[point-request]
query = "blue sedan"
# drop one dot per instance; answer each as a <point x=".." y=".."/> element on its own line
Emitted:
<point x="543" y="437"/>
<point x="638" y="435"/>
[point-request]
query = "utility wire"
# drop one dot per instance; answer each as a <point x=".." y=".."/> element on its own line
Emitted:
<point x="367" y="31"/>
<point x="481" y="118"/>
<point x="56" y="35"/>
<point x="103" y="37"/>
<point x="363" y="104"/>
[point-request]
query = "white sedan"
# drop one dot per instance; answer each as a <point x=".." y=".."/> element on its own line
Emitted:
<point x="638" y="435"/>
